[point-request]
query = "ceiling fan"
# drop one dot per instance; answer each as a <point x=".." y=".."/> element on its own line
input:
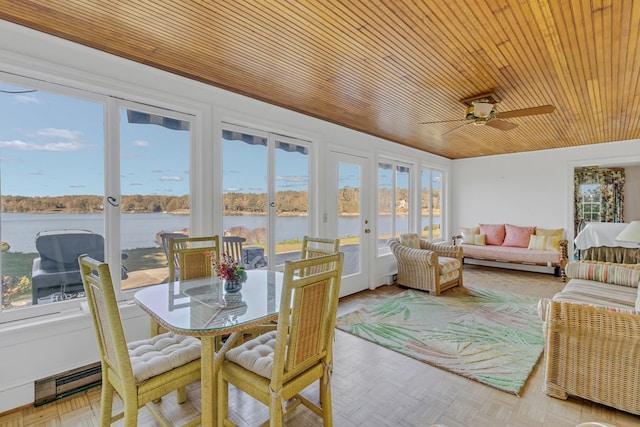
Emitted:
<point x="481" y="110"/>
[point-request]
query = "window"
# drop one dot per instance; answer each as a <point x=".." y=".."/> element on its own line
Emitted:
<point x="591" y="202"/>
<point x="265" y="194"/>
<point x="58" y="198"/>
<point x="431" y="204"/>
<point x="52" y="180"/>
<point x="394" y="202"/>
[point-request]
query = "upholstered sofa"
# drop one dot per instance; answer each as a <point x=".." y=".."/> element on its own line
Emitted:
<point x="426" y="266"/>
<point x="513" y="246"/>
<point x="592" y="335"/>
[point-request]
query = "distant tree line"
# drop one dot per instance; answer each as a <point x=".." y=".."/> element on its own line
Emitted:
<point x="287" y="202"/>
<point x="92" y="204"/>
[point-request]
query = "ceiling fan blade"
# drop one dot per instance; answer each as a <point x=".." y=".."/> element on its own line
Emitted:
<point x="501" y="124"/>
<point x="456" y="128"/>
<point x="543" y="109"/>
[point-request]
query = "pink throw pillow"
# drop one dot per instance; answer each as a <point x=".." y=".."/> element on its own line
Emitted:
<point x="517" y="236"/>
<point x="495" y="233"/>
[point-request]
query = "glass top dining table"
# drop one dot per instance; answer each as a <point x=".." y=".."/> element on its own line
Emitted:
<point x="202" y="308"/>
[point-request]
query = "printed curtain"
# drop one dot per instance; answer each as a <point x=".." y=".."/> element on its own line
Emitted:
<point x="611" y="183"/>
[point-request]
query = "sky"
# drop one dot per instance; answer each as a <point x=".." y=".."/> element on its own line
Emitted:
<point x="53" y="145"/>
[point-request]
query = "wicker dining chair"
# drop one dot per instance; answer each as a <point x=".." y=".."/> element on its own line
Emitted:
<point x="143" y="371"/>
<point x="318" y="246"/>
<point x="190" y="257"/>
<point x="276" y="366"/>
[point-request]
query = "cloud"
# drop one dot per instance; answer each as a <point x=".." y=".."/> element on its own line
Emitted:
<point x="292" y="178"/>
<point x="141" y="143"/>
<point x="60" y="133"/>
<point x="66" y="141"/>
<point x="26" y="99"/>
<point x="170" y="178"/>
<point x="78" y="186"/>
<point x="34" y="146"/>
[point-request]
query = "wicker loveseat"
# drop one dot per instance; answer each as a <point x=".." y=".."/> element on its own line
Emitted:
<point x="592" y="335"/>
<point x="427" y="266"/>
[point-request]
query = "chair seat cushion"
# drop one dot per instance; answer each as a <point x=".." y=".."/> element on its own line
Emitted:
<point x="255" y="355"/>
<point x="449" y="268"/>
<point x="161" y="353"/>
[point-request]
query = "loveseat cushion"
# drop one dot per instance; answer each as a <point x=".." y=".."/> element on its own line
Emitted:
<point x="598" y="294"/>
<point x="616" y="274"/>
<point x="511" y="254"/>
<point x="449" y="268"/>
<point x="517" y="236"/>
<point x="495" y="233"/>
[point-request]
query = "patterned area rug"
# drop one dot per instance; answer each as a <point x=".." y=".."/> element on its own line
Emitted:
<point x="491" y="337"/>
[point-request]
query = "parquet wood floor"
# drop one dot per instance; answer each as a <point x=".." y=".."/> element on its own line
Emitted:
<point x="373" y="386"/>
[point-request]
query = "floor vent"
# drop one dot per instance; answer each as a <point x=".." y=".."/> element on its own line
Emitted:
<point x="61" y="385"/>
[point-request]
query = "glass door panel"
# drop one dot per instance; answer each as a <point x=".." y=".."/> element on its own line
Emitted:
<point x="347" y="218"/>
<point x="154" y="195"/>
<point x="265" y="194"/>
<point x="385" y="204"/>
<point x="291" y="198"/>
<point x="245" y="193"/>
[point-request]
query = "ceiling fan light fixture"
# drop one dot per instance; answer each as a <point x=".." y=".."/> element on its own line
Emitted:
<point x="482" y="109"/>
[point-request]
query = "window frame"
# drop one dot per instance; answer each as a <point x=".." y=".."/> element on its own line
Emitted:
<point x="113" y="96"/>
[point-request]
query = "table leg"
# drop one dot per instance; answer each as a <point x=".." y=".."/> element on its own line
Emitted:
<point x="207" y="381"/>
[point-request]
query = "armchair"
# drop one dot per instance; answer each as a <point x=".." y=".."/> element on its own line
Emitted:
<point x="431" y="267"/>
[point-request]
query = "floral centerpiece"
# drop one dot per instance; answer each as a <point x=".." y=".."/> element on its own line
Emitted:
<point x="229" y="269"/>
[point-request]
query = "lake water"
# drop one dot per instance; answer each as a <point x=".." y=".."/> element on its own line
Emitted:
<point x="20" y="229"/>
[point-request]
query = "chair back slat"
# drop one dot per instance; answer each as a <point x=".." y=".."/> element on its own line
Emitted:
<point x="232" y="246"/>
<point x="317" y="246"/>
<point x="165" y="237"/>
<point x="307" y="315"/>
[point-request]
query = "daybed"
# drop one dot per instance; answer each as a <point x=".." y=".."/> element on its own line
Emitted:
<point x="597" y="242"/>
<point x="514" y="246"/>
<point x="592" y="335"/>
<point x="426" y="266"/>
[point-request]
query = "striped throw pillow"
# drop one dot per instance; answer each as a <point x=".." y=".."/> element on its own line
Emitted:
<point x="607" y="272"/>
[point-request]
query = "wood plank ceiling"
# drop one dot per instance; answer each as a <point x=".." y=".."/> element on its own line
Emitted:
<point x="384" y="67"/>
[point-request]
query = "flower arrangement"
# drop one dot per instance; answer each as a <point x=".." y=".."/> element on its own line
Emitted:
<point x="229" y="269"/>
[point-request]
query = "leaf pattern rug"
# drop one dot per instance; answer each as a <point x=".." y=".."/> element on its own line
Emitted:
<point x="491" y="337"/>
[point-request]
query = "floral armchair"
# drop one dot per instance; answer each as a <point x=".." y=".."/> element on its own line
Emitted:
<point x="427" y="266"/>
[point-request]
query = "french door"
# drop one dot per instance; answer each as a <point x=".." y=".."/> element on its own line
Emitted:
<point x="265" y="182"/>
<point x="348" y="217"/>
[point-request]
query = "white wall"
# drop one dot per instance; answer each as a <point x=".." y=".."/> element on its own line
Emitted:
<point x="32" y="350"/>
<point x="528" y="188"/>
<point x="632" y="193"/>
